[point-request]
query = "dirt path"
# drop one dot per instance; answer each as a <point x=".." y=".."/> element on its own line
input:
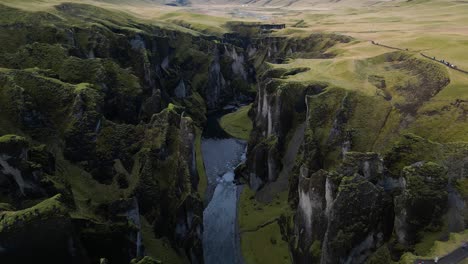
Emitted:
<point x="449" y="65"/>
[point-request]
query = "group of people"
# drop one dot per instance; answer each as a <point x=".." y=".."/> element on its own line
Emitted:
<point x="446" y="63"/>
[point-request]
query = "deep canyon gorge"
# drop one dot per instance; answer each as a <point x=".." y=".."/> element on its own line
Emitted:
<point x="116" y="145"/>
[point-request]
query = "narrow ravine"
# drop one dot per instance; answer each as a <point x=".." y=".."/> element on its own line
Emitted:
<point x="221" y="155"/>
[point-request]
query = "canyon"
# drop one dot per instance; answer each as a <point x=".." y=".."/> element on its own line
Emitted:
<point x="117" y="144"/>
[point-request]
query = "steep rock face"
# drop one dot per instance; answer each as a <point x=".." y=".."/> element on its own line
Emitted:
<point x="369" y="200"/>
<point x="160" y="58"/>
<point x="170" y="151"/>
<point x="278" y="49"/>
<point x="334" y="221"/>
<point x="315" y="201"/>
<point x="276" y="112"/>
<point x="418" y="158"/>
<point x="370" y="165"/>
<point x="422" y="202"/>
<point x="357" y="223"/>
<point x="346" y="160"/>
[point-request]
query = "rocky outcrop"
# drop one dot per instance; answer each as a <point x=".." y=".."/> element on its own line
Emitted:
<point x="343" y="216"/>
<point x="275" y="111"/>
<point x="117" y="104"/>
<point x="357" y="223"/>
<point x="423" y="200"/>
<point x="170" y="149"/>
<point x="24" y="169"/>
<point x="315" y="202"/>
<point x="334" y="212"/>
<point x="347" y="194"/>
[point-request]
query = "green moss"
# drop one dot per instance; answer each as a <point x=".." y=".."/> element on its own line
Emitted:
<point x="41" y="55"/>
<point x="13" y="145"/>
<point x="238" y="124"/>
<point x="52" y="207"/>
<point x="12" y="139"/>
<point x="88" y="194"/>
<point x="424" y="198"/>
<point x="14" y="37"/>
<point x="410" y="149"/>
<point x="37" y="103"/>
<point x="165" y="174"/>
<point x="118" y="141"/>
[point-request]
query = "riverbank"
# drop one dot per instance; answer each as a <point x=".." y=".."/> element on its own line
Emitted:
<point x="238" y="123"/>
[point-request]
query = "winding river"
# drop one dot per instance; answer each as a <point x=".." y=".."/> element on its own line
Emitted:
<point x="221" y="155"/>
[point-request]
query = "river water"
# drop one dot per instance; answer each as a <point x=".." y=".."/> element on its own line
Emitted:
<point x="221" y="155"/>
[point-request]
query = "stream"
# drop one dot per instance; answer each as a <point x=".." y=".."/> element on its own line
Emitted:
<point x="221" y="155"/>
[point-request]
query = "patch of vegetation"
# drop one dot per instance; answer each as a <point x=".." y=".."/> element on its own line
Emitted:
<point x="265" y="245"/>
<point x="159" y="248"/>
<point x="13" y="144"/>
<point x="49" y="208"/>
<point x="410" y="149"/>
<point x="426" y="185"/>
<point x="238" y="124"/>
<point x="429" y="237"/>
<point x="252" y="215"/>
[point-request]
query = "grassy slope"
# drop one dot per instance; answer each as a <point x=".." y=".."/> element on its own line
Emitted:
<point x="432" y="27"/>
<point x="253" y="214"/>
<point x="179" y="18"/>
<point x="238" y="124"/>
<point x="159" y="248"/>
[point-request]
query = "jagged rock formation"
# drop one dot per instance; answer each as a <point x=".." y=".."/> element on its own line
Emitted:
<point x="106" y="107"/>
<point x="98" y="115"/>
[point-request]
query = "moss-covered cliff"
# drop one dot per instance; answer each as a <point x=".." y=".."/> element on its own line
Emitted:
<point x="101" y="109"/>
<point x="100" y="118"/>
<point x="360" y="182"/>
